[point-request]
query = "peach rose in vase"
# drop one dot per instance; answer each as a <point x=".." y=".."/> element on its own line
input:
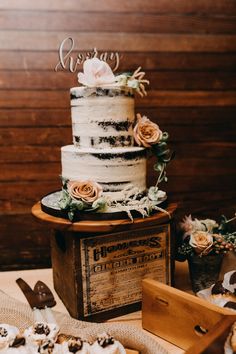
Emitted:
<point x="201" y="241"/>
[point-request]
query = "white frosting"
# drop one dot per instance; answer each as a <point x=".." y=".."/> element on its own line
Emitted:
<point x="115" y="348"/>
<point x="7" y="335"/>
<point x="116" y="169"/>
<point x="102" y="128"/>
<point x="35" y="338"/>
<point x="227" y="283"/>
<point x="23" y="349"/>
<point x="102" y="121"/>
<point x="84" y="350"/>
<point x="216" y="299"/>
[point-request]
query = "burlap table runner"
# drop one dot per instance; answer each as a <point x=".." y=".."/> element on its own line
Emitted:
<point x="19" y="314"/>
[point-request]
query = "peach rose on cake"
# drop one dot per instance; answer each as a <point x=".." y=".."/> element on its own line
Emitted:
<point x="96" y="73"/>
<point x="201" y="241"/>
<point x="146" y="133"/>
<point x="87" y="191"/>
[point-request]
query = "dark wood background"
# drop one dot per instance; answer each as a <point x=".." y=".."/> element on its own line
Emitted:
<point x="188" y="50"/>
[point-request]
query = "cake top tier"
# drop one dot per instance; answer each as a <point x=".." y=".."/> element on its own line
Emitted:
<point x="102" y="109"/>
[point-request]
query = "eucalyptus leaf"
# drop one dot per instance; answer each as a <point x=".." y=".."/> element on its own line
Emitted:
<point x="71" y="215"/>
<point x="100" y="204"/>
<point x="153" y="193"/>
<point x="65" y="199"/>
<point x="63" y="204"/>
<point x="64" y="182"/>
<point x="164" y="152"/>
<point x="165" y="136"/>
<point x="77" y="205"/>
<point x="158" y="167"/>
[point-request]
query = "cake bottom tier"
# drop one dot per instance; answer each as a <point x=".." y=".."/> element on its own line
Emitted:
<point x="118" y="170"/>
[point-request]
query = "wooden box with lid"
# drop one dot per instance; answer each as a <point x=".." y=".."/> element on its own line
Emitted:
<point x="98" y="266"/>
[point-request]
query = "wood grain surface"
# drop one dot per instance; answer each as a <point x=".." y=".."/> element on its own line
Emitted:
<point x="163" y="305"/>
<point x="188" y="50"/>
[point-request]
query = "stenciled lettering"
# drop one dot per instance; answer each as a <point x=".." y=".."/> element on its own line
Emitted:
<point x="127" y="262"/>
<point x="152" y="242"/>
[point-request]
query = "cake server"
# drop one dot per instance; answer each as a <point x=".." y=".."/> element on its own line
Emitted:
<point x="32" y="299"/>
<point x="46" y="300"/>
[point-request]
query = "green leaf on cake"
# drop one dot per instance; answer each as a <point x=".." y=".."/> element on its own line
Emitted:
<point x="65" y="200"/>
<point x="100" y="204"/>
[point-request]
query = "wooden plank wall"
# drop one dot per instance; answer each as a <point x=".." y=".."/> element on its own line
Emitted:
<point x="188" y="50"/>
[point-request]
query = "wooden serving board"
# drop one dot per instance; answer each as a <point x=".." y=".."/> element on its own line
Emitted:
<point x="176" y="316"/>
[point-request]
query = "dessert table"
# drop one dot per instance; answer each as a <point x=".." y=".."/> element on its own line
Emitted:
<point x="9" y="286"/>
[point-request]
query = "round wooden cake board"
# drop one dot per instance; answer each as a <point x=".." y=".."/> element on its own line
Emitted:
<point x="50" y="205"/>
<point x="97" y="226"/>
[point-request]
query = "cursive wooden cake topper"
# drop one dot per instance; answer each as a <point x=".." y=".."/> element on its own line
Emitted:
<point x="68" y="62"/>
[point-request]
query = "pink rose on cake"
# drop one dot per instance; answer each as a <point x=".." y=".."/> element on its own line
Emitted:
<point x="87" y="191"/>
<point x="146" y="133"/>
<point x="201" y="241"/>
<point x="96" y="73"/>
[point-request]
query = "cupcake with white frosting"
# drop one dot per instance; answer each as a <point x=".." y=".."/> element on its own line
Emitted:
<point x="223" y="292"/>
<point x="40" y="332"/>
<point x="76" y="345"/>
<point x="106" y="344"/>
<point x="7" y="335"/>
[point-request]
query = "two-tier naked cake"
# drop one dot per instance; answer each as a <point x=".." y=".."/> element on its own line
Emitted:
<point x="103" y="150"/>
<point x="104" y="171"/>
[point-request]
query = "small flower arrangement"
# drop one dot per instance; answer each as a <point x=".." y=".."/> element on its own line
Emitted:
<point x="206" y="237"/>
<point x="87" y="196"/>
<point x="81" y="195"/>
<point x="149" y="135"/>
<point x="97" y="73"/>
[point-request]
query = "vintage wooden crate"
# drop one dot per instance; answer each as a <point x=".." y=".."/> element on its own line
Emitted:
<point x="179" y="317"/>
<point x="98" y="266"/>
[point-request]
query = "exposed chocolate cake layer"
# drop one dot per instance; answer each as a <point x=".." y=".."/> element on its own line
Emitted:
<point x="82" y="92"/>
<point x="111" y="141"/>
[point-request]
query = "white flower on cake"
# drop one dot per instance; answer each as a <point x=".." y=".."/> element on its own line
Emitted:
<point x="87" y="191"/>
<point x="96" y="73"/>
<point x="201" y="241"/>
<point x="146" y="133"/>
<point x="7" y="335"/>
